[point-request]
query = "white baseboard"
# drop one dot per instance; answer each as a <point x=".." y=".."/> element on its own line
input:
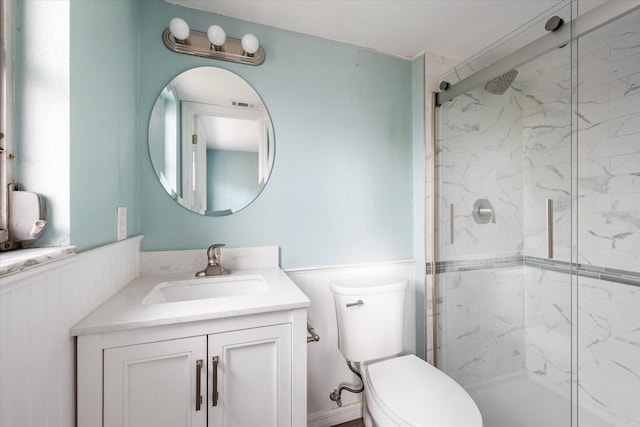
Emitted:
<point x="335" y="416"/>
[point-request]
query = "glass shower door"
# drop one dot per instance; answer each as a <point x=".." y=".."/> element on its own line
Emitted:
<point x="608" y="200"/>
<point x="504" y="168"/>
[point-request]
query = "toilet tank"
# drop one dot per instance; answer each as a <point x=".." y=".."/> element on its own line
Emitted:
<point x="370" y="314"/>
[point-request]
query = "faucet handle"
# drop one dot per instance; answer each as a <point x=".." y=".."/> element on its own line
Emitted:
<point x="213" y="253"/>
<point x="213" y="267"/>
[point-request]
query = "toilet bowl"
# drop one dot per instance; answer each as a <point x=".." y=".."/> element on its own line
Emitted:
<point x="399" y="390"/>
<point x="407" y="391"/>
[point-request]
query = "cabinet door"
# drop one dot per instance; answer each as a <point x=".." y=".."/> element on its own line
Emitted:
<point x="250" y="378"/>
<point x="156" y="384"/>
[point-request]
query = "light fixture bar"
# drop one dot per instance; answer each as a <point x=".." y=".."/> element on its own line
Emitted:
<point x="198" y="44"/>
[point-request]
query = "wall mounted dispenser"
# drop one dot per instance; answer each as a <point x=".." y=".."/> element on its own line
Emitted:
<point x="26" y="218"/>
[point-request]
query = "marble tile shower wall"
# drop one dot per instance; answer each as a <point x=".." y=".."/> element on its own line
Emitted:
<point x="609" y="147"/>
<point x="481" y="330"/>
<point x="609" y="349"/>
<point x="479" y="156"/>
<point x="537" y="117"/>
<point x="547" y="320"/>
<point x="609" y="218"/>
<point x="608" y="215"/>
<point x="545" y="86"/>
<point x="547" y="157"/>
<point x="480" y="311"/>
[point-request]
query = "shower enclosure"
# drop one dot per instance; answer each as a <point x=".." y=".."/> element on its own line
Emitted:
<point x="537" y="221"/>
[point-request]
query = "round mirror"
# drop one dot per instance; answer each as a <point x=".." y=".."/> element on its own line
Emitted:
<point x="211" y="141"/>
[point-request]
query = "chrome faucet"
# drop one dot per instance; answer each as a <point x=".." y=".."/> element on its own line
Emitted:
<point x="213" y="268"/>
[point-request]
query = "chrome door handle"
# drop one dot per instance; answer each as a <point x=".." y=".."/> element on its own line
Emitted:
<point x="451" y="219"/>
<point x="550" y="228"/>
<point x="355" y="304"/>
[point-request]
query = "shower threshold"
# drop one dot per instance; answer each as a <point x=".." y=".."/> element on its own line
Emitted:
<point x="521" y="400"/>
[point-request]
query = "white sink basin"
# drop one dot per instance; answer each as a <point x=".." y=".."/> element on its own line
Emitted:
<point x="205" y="288"/>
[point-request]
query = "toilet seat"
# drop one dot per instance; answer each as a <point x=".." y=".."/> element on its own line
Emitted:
<point x="411" y="392"/>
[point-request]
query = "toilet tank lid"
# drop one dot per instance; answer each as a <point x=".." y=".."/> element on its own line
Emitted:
<point x="369" y="285"/>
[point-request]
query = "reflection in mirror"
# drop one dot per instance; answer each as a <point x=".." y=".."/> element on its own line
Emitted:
<point x="211" y="141"/>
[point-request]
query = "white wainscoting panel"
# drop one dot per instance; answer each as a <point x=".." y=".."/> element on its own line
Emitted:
<point x="326" y="367"/>
<point x="37" y="309"/>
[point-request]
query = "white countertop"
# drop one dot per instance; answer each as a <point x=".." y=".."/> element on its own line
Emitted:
<point x="124" y="310"/>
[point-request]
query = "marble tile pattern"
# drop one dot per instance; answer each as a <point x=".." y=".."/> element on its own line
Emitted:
<point x="481" y="331"/>
<point x="608" y="203"/>
<point x="518" y="150"/>
<point x="547" y="319"/>
<point x="478" y="156"/>
<point x="546" y="99"/>
<point x="498" y="322"/>
<point x="609" y="349"/>
<point x="609" y="146"/>
<point x="606" y="196"/>
<point x="24" y="259"/>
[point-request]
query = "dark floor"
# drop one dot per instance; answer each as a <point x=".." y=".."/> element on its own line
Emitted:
<point x="352" y="423"/>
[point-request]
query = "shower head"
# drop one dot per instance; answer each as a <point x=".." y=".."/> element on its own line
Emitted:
<point x="500" y="84"/>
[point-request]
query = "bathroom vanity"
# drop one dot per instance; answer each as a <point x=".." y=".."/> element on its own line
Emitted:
<point x="174" y="350"/>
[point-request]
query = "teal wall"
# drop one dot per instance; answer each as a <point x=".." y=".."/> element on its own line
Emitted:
<point x="103" y="118"/>
<point x="341" y="187"/>
<point x="348" y="180"/>
<point x="75" y="115"/>
<point x="232" y="178"/>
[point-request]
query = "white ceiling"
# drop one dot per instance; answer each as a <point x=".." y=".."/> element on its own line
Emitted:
<point x="231" y="134"/>
<point x="404" y="28"/>
<point x="238" y="130"/>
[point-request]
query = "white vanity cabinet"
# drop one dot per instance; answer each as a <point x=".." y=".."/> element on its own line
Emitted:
<point x="228" y="351"/>
<point x="250" y="380"/>
<point x="249" y="371"/>
<point x="155" y="384"/>
<point x="236" y="378"/>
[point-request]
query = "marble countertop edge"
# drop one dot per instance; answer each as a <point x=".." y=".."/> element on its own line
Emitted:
<point x="20" y="260"/>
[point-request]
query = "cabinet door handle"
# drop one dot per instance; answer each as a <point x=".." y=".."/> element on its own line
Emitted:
<point x="198" y="384"/>
<point x="214" y="393"/>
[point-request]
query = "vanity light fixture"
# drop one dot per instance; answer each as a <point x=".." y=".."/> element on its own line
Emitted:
<point x="250" y="44"/>
<point x="213" y="44"/>
<point x="217" y="37"/>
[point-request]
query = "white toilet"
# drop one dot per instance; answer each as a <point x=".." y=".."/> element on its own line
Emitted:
<point x="399" y="390"/>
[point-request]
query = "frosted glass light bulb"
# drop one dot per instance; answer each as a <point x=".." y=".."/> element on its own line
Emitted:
<point x="179" y="28"/>
<point x="250" y="43"/>
<point x="216" y="35"/>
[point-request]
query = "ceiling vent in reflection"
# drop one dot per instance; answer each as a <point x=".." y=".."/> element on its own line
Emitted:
<point x="245" y="105"/>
